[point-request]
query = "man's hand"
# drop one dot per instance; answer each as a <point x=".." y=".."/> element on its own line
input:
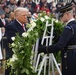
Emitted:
<point x="43" y="49"/>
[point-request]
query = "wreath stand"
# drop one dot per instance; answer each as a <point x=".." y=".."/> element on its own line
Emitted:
<point x="46" y="57"/>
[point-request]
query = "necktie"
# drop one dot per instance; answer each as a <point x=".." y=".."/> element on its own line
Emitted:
<point x="23" y="27"/>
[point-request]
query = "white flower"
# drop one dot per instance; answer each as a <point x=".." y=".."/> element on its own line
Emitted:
<point x="30" y="29"/>
<point x="33" y="24"/>
<point x="27" y="44"/>
<point x="27" y="71"/>
<point x="25" y="34"/>
<point x="13" y="38"/>
<point x="33" y="68"/>
<point x="32" y="52"/>
<point x="46" y="17"/>
<point x="31" y="57"/>
<point x="40" y="14"/>
<point x="13" y="44"/>
<point x="42" y="19"/>
<point x="42" y="54"/>
<point x="31" y="62"/>
<point x="14" y="57"/>
<point x="53" y="19"/>
<point x="31" y="21"/>
<point x="13" y="50"/>
<point x="56" y="21"/>
<point x="36" y="34"/>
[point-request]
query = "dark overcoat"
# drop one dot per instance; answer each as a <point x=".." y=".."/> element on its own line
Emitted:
<point x="11" y="31"/>
<point x="2" y="25"/>
<point x="67" y="46"/>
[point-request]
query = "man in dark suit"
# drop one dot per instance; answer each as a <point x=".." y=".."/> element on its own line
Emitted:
<point x="15" y="27"/>
<point x="3" y="24"/>
<point x="33" y="4"/>
<point x="3" y="21"/>
<point x="66" y="43"/>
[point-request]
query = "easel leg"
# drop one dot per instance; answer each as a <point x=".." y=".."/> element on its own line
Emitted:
<point x="42" y="63"/>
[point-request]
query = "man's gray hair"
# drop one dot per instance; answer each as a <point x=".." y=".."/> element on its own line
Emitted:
<point x="18" y="10"/>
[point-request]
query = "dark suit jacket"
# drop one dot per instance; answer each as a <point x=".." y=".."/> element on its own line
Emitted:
<point x="2" y="25"/>
<point x="33" y="5"/>
<point x="11" y="31"/>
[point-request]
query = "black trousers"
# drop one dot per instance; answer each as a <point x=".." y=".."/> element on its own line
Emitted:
<point x="7" y="71"/>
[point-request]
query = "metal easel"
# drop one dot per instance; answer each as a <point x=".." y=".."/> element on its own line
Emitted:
<point x="50" y="57"/>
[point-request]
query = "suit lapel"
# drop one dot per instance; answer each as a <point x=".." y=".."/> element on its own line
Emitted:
<point x="19" y="26"/>
<point x="6" y="23"/>
<point x="1" y="24"/>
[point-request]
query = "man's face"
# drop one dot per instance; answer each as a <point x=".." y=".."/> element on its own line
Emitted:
<point x="12" y="1"/>
<point x="2" y="16"/>
<point x="7" y="10"/>
<point x="12" y="15"/>
<point x="63" y="18"/>
<point x="23" y="17"/>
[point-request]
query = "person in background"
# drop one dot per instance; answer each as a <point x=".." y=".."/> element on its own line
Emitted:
<point x="58" y="6"/>
<point x="12" y="5"/>
<point x="74" y="14"/>
<point x="17" y="26"/>
<point x="37" y="8"/>
<point x="25" y="3"/>
<point x="2" y="4"/>
<point x="74" y="8"/>
<point x="73" y="1"/>
<point x="51" y="5"/>
<point x="7" y="11"/>
<point x="45" y="9"/>
<point x="30" y="8"/>
<point x="53" y="12"/>
<point x="11" y="17"/>
<point x="62" y="2"/>
<point x="3" y="24"/>
<point x="3" y="21"/>
<point x="66" y="43"/>
<point x="20" y="3"/>
<point x="42" y="2"/>
<point x="33" y="4"/>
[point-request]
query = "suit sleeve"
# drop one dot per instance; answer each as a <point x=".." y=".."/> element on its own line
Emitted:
<point x="63" y="41"/>
<point x="10" y="32"/>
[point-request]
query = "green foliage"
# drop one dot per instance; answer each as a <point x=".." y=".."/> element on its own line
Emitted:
<point x="22" y="59"/>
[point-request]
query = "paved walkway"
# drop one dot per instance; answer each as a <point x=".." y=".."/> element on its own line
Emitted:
<point x="1" y="69"/>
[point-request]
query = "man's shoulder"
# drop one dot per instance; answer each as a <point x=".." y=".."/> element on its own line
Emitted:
<point x="68" y="27"/>
<point x="72" y="22"/>
<point x="11" y="25"/>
